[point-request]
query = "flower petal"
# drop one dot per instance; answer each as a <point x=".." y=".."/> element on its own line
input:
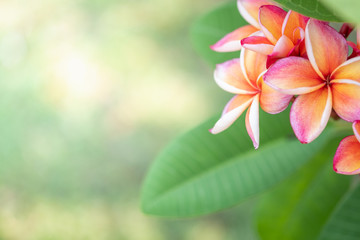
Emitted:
<point x="356" y="128"/>
<point x="325" y="47"/>
<point x="272" y="101"/>
<point x="229" y="76"/>
<point x="283" y="46"/>
<point x="346" y="29"/>
<point x="348" y="70"/>
<point x="231" y="42"/>
<point x="310" y="113"/>
<point x="347" y="156"/>
<point x="293" y="21"/>
<point x="249" y="10"/>
<point x="358" y="38"/>
<point x="282" y="49"/>
<point x="346" y="99"/>
<point x="258" y="44"/>
<point x="271" y="19"/>
<point x="252" y="122"/>
<point x="235" y="107"/>
<point x="355" y="50"/>
<point x="252" y="65"/>
<point x="293" y="75"/>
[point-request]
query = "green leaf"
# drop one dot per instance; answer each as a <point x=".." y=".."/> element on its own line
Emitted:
<point x="311" y="8"/>
<point x="344" y="223"/>
<point x="348" y="9"/>
<point x="210" y="28"/>
<point x="200" y="173"/>
<point x="304" y="202"/>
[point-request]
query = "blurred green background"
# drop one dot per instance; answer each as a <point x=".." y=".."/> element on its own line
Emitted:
<point x="91" y="91"/>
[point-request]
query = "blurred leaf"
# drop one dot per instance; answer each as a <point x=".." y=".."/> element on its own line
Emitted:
<point x="303" y="203"/>
<point x="211" y="27"/>
<point x="311" y="8"/>
<point x="199" y="173"/>
<point x="344" y="223"/>
<point x="349" y="9"/>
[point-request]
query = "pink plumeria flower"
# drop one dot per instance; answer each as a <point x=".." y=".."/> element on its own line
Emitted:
<point x="347" y="156"/>
<point x="324" y="82"/>
<point x="282" y="34"/>
<point x="243" y="77"/>
<point x="249" y="10"/>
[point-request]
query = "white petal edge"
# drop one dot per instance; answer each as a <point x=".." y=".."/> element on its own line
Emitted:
<point x="352" y="60"/>
<point x="231" y="46"/>
<point x="253" y="115"/>
<point x="310" y="53"/>
<point x="229" y="88"/>
<point x="345" y="81"/>
<point x="286" y="19"/>
<point x="245" y="14"/>
<point x="229" y="118"/>
<point x="297" y="91"/>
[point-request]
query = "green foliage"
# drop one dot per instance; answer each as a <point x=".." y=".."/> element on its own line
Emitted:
<point x="348" y="9"/>
<point x="199" y="173"/>
<point x="305" y="201"/>
<point x="311" y="8"/>
<point x="345" y="221"/>
<point x="211" y="27"/>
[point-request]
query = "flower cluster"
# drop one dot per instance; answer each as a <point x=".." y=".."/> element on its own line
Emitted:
<point x="286" y="57"/>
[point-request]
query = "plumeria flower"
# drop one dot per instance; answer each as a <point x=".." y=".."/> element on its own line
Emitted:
<point x="324" y="82"/>
<point x="243" y="77"/>
<point x="249" y="10"/>
<point x="347" y="156"/>
<point x="281" y="35"/>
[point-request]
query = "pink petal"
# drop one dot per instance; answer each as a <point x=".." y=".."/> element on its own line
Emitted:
<point x="252" y="65"/>
<point x="325" y="47"/>
<point x="283" y="46"/>
<point x="347" y="157"/>
<point x="346" y="99"/>
<point x="252" y="122"/>
<point x="258" y="44"/>
<point x="348" y="70"/>
<point x="249" y="10"/>
<point x="293" y="76"/>
<point x="271" y="19"/>
<point x="310" y="113"/>
<point x="355" y="50"/>
<point x="358" y="38"/>
<point x="231" y="42"/>
<point x="235" y="107"/>
<point x="282" y="49"/>
<point x="356" y="128"/>
<point x="272" y="101"/>
<point x="230" y="77"/>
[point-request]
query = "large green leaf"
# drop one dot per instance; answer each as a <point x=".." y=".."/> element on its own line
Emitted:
<point x="344" y="223"/>
<point x="348" y="9"/>
<point x="311" y="8"/>
<point x="303" y="203"/>
<point x="211" y="27"/>
<point x="199" y="173"/>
